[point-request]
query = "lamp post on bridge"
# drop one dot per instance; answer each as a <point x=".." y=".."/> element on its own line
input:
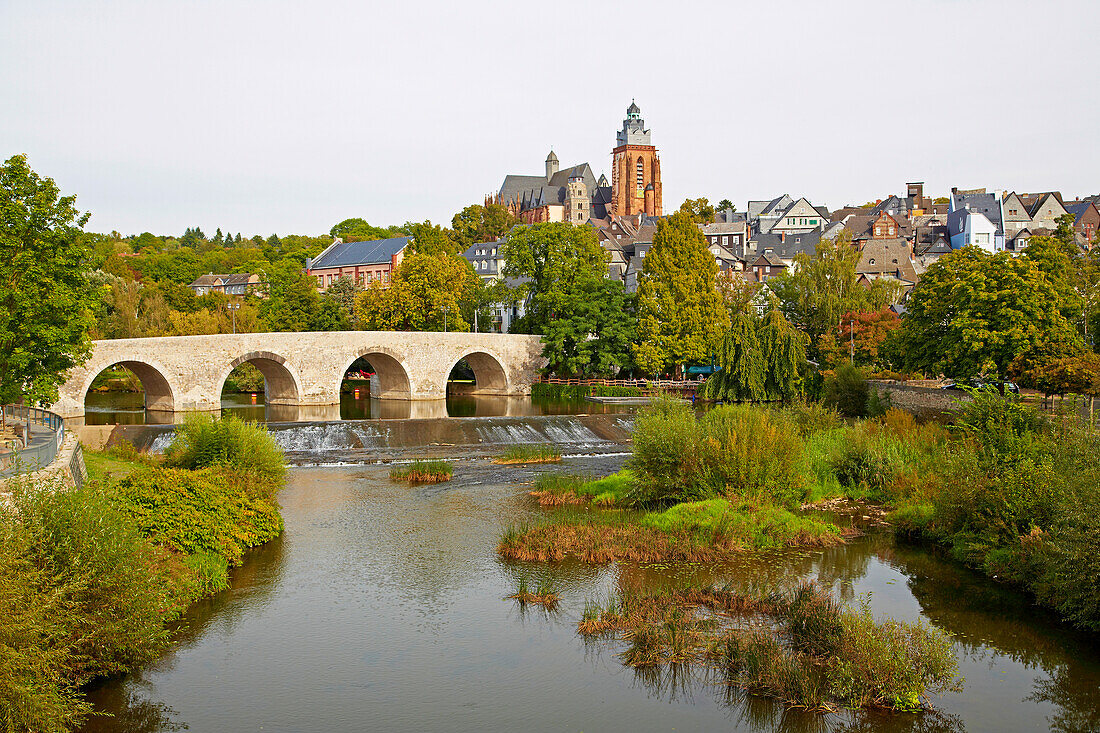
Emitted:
<point x="232" y="308"/>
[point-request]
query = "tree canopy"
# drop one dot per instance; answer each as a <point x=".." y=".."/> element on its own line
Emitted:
<point x="820" y="289"/>
<point x="973" y="313"/>
<point x="681" y="315"/>
<point x="46" y="300"/>
<point x="477" y="223"/>
<point x="594" y="335"/>
<point x="428" y="291"/>
<point x="559" y="262"/>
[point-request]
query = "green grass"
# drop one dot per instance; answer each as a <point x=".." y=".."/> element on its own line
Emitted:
<point x="529" y="453"/>
<point x="613" y="490"/>
<point x="758" y="527"/>
<point x="423" y="472"/>
<point x="113" y="464"/>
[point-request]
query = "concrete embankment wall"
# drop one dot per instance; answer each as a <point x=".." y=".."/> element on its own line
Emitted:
<point x="923" y="402"/>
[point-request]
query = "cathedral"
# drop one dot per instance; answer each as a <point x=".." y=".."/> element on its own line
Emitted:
<point x="575" y="195"/>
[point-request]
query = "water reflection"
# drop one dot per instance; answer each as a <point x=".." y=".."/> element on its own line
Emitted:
<point x="384" y="608"/>
<point x="128" y="408"/>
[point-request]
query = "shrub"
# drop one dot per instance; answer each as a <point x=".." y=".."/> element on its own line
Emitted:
<point x="847" y="391"/>
<point x="737" y="452"/>
<point x="82" y="594"/>
<point x="890" y="663"/>
<point x="813" y="620"/>
<point x="813" y="417"/>
<point x="213" y="510"/>
<point x="204" y="441"/>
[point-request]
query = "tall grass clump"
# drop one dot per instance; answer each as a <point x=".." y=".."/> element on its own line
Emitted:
<point x="529" y="453"/>
<point x="735" y="452"/>
<point x="800" y="646"/>
<point x="204" y="441"/>
<point x="423" y="472"/>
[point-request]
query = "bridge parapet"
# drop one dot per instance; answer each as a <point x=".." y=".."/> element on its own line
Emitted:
<point x="181" y="373"/>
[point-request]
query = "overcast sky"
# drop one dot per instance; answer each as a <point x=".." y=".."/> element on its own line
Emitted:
<point x="268" y="116"/>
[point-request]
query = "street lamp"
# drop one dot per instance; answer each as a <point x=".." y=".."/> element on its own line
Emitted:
<point x="232" y="308"/>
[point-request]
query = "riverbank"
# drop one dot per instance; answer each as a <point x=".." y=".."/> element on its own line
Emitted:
<point x="1004" y="489"/>
<point x="94" y="579"/>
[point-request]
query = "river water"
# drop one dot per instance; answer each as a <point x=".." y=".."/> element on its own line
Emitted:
<point x="381" y="608"/>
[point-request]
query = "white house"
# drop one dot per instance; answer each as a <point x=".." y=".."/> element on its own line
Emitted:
<point x="976" y="218"/>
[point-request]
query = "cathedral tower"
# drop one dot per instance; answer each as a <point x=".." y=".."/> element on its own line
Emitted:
<point x="635" y="169"/>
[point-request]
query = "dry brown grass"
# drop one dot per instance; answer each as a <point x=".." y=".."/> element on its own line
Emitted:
<point x="554" y="499"/>
<point x="607" y="541"/>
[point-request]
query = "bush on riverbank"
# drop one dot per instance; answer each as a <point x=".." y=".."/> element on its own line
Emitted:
<point x="734" y="452"/>
<point x="1017" y="497"/>
<point x="83" y="594"/>
<point x="91" y="578"/>
<point x="204" y="441"/>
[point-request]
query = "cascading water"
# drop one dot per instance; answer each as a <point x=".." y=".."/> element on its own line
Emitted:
<point x="372" y="440"/>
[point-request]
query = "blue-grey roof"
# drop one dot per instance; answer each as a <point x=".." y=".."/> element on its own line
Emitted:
<point x="350" y="254"/>
<point x="1078" y="209"/>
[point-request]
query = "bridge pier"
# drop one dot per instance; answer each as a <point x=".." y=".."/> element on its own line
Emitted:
<point x="184" y="373"/>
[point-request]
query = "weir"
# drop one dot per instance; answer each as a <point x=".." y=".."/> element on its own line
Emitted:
<point x="370" y="440"/>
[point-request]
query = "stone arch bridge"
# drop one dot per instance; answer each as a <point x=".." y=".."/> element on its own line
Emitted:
<point x="182" y="373"/>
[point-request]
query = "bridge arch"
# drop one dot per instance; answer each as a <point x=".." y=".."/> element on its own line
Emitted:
<point x="160" y="393"/>
<point x="490" y="376"/>
<point x="282" y="385"/>
<point x="391" y="376"/>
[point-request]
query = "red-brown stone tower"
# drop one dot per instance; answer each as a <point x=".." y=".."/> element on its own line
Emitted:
<point x="635" y="169"/>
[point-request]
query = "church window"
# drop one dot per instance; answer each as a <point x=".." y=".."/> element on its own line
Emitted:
<point x="641" y="172"/>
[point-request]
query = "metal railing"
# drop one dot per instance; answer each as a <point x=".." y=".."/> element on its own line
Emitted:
<point x="40" y="446"/>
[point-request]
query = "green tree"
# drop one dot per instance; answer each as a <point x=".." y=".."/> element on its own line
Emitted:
<point x="358" y="230"/>
<point x="432" y="239"/>
<point x="428" y="292"/>
<point x="681" y="315"/>
<point x="784" y="352"/>
<point x="819" y="290"/>
<point x="741" y="363"/>
<point x="46" y="300"/>
<point x="293" y="303"/>
<point x="973" y="313"/>
<point x="343" y="293"/>
<point x="726" y="205"/>
<point x="557" y="261"/>
<point x="476" y="224"/>
<point x="593" y="337"/>
<point x="700" y="210"/>
<point x="1057" y="258"/>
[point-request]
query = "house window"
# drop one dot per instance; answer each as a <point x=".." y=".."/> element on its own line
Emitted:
<point x="725" y="241"/>
<point x="871" y="261"/>
<point x="813" y="222"/>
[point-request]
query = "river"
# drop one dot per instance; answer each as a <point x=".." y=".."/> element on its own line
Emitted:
<point x="381" y="608"/>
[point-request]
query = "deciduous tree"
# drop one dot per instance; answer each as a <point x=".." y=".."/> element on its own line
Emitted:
<point x="427" y="292"/>
<point x="477" y="223"/>
<point x="681" y="316"/>
<point x="973" y="313"/>
<point x="46" y="299"/>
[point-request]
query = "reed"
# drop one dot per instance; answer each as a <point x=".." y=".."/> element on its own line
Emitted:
<point x="544" y="594"/>
<point x="529" y="453"/>
<point x="423" y="472"/>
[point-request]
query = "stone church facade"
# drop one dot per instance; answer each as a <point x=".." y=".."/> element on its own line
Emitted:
<point x="575" y="194"/>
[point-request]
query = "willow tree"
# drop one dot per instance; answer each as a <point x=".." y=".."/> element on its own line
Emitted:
<point x="681" y="316"/>
<point x="741" y="377"/>
<point x="783" y="350"/>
